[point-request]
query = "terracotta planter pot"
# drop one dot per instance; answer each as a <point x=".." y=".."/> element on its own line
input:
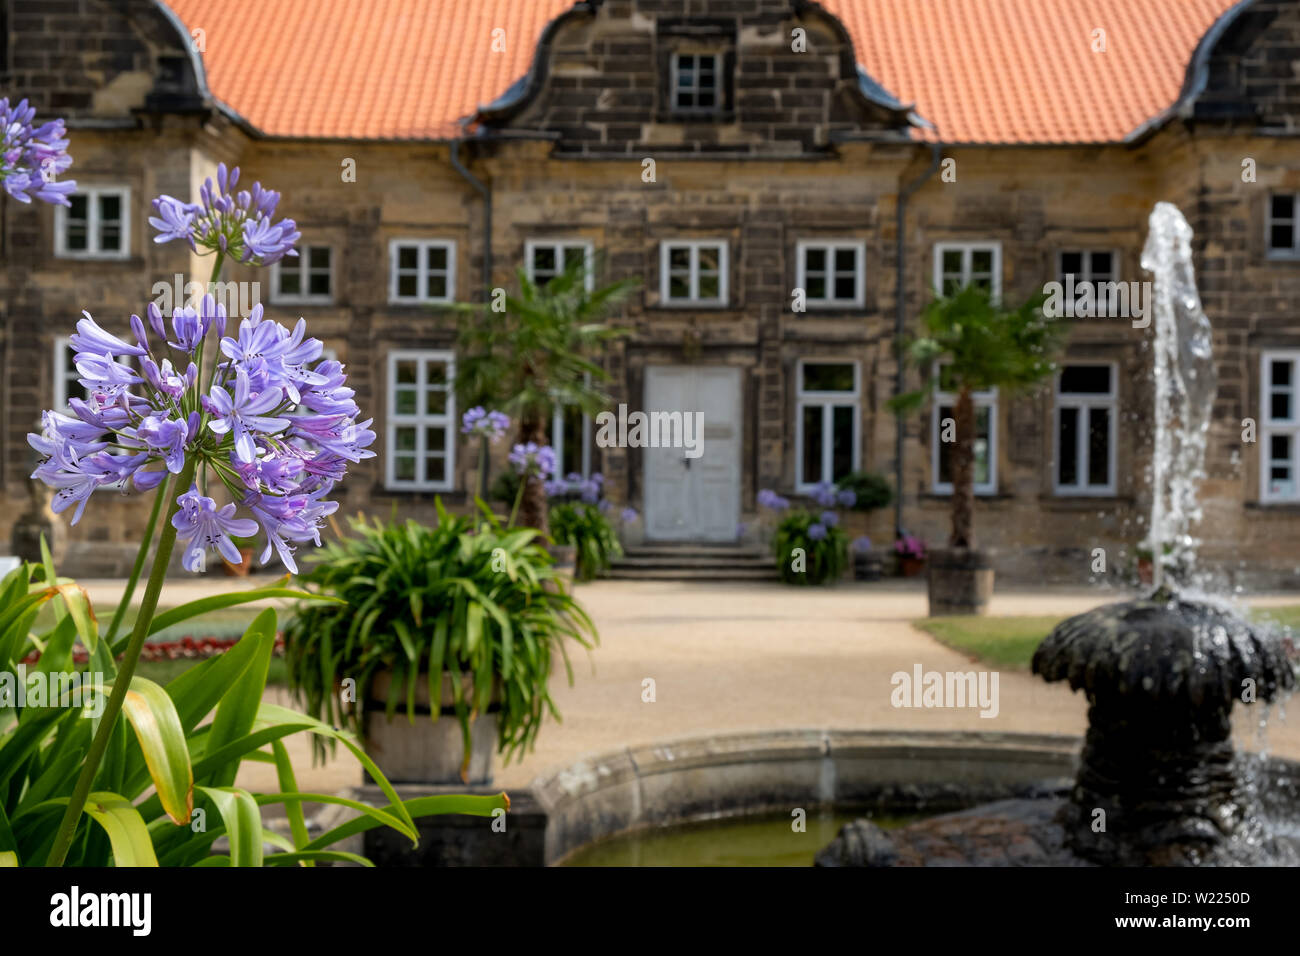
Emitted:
<point x="960" y="582"/>
<point x="910" y="567"/>
<point x="241" y="569"/>
<point x="428" y="751"/>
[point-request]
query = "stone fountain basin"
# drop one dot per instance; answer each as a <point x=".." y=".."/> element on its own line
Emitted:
<point x="736" y="774"/>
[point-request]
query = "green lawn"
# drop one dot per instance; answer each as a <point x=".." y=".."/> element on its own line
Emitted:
<point x="1010" y="642"/>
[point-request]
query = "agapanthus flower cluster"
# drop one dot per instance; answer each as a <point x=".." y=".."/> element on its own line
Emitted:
<point x="828" y="496"/>
<point x="573" y="485"/>
<point x="533" y="460"/>
<point x="767" y="498"/>
<point x="490" y="425"/>
<point x="272" y="422"/>
<point x="31" y="157"/>
<point x="237" y="224"/>
<point x="861" y="545"/>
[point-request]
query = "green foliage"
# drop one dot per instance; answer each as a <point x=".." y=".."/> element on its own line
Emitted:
<point x="873" y="490"/>
<point x="466" y="596"/>
<point x="586" y="528"/>
<point x="539" y="352"/>
<point x="825" y="558"/>
<point x="160" y="743"/>
<point x="980" y="346"/>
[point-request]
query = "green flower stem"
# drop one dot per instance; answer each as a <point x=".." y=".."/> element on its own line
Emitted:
<point x="145" y="544"/>
<point x="483" y="467"/>
<point x="148" y="604"/>
<point x="519" y="496"/>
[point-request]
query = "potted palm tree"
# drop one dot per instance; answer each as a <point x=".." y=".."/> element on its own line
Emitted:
<point x="536" y="355"/>
<point x="971" y="344"/>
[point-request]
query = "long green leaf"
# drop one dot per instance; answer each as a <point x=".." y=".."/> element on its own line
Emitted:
<point x="243" y="822"/>
<point x="126" y="829"/>
<point x="238" y="708"/>
<point x="162" y="739"/>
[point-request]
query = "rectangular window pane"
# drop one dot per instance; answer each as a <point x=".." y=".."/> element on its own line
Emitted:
<point x="435" y="401"/>
<point x="435" y="286"/>
<point x="404" y="467"/>
<point x="404" y="439"/>
<point x="436" y="257"/>
<point x="814" y="260"/>
<point x="404" y="401"/>
<point x="1282" y="236"/>
<point x="406" y="372"/>
<point x="572" y="425"/>
<point x="1099" y="446"/>
<point x="945" y="447"/>
<point x="828" y="377"/>
<point x="1282" y="207"/>
<point x="1103" y="265"/>
<point x="816" y="286"/>
<point x="435" y="439"/>
<point x="981" y="261"/>
<point x="1067" y="447"/>
<point x="408" y="258"/>
<point x="983" y="448"/>
<point x="709" y="287"/>
<point x="845" y="287"/>
<point x="1085" y="379"/>
<point x="320" y="283"/>
<point x="290" y="279"/>
<point x="842" y="438"/>
<point x="1281" y="372"/>
<point x="435" y="468"/>
<point x="1279" y="406"/>
<point x="812" y="444"/>
<point x="1071" y="264"/>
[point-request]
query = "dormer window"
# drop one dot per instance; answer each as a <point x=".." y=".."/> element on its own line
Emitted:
<point x="696" y="86"/>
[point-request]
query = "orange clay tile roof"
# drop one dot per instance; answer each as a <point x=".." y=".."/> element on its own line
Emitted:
<point x="994" y="71"/>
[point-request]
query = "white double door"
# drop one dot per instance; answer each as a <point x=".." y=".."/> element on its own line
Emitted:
<point x="695" y="499"/>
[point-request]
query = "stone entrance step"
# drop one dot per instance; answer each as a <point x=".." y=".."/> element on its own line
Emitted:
<point x="691" y="562"/>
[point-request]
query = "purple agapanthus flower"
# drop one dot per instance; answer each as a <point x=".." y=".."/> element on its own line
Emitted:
<point x="490" y="425"/>
<point x="861" y="545"/>
<point x="202" y="526"/>
<point x="824" y="494"/>
<point x="817" y="532"/>
<point x="533" y="460"/>
<point x="244" y="414"/>
<point x="767" y="498"/>
<point x="830" y="519"/>
<point x="240" y="224"/>
<point x="628" y="515"/>
<point x="846" y="498"/>
<point x="32" y="157"/>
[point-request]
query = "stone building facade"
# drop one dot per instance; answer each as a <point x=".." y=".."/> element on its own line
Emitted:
<point x="743" y="163"/>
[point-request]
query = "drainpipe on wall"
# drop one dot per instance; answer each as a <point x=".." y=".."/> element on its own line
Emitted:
<point x="900" y="324"/>
<point x="486" y="193"/>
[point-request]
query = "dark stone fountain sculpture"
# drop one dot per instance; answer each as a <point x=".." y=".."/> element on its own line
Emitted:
<point x="1159" y="782"/>
<point x="1158" y="769"/>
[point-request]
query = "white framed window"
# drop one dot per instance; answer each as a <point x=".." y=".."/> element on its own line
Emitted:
<point x="1087" y="265"/>
<point x="306" y="278"/>
<point x="693" y="272"/>
<point x="571" y="437"/>
<point x="1282" y="235"/>
<point x="67" y="380"/>
<point x="827" y="435"/>
<point x="958" y="264"/>
<point x="545" y="259"/>
<point x="832" y="274"/>
<point x="697" y="82"/>
<point x="1084" y="431"/>
<point x="1279" y="438"/>
<point x="421" y="434"/>
<point x="986" y="439"/>
<point x="97" y="224"/>
<point x="421" y="271"/>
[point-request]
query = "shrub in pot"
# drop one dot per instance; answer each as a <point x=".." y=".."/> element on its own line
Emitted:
<point x="810" y="548"/>
<point x="969" y="343"/>
<point x="455" y="626"/>
<point x="578" y="519"/>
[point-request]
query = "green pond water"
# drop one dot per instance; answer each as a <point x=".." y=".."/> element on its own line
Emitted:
<point x="744" y="841"/>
